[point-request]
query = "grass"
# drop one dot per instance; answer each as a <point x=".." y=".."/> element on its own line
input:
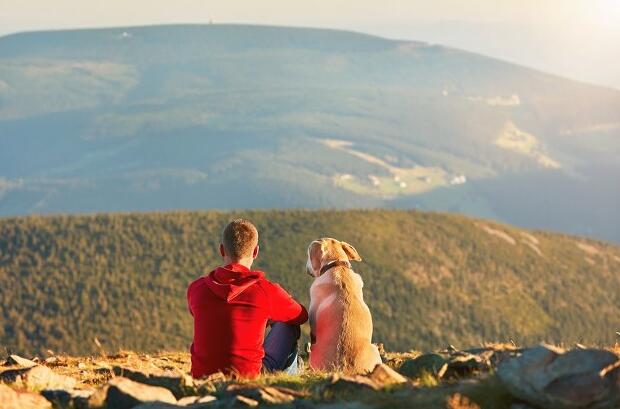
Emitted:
<point x="473" y="391"/>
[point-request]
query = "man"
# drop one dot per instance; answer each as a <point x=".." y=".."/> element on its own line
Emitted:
<point x="231" y="308"/>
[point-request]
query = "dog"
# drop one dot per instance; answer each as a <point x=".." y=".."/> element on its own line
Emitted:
<point x="340" y="321"/>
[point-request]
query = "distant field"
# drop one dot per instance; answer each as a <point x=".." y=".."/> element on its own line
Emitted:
<point x="398" y="181"/>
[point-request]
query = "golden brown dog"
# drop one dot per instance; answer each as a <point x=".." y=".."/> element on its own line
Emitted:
<point x="340" y="321"/>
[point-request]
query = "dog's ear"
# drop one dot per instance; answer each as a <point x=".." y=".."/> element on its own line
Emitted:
<point x="315" y="253"/>
<point x="350" y="251"/>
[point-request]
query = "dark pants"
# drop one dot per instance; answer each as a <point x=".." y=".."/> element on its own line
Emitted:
<point x="281" y="348"/>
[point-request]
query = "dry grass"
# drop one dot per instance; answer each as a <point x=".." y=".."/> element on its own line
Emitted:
<point x="478" y="391"/>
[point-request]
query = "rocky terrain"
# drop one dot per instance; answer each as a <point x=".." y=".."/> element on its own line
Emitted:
<point x="492" y="376"/>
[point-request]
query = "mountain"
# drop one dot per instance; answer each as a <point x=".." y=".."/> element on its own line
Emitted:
<point x="429" y="279"/>
<point x="233" y="116"/>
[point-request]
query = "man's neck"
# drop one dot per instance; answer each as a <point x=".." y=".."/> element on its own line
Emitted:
<point x="246" y="262"/>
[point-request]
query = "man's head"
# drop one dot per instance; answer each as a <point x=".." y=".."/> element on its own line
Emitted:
<point x="239" y="242"/>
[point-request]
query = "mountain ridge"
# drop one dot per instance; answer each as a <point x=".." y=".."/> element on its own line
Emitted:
<point x="125" y="119"/>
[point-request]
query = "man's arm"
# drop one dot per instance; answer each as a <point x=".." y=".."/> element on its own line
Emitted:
<point x="284" y="308"/>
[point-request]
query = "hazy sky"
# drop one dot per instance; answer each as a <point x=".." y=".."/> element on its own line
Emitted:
<point x="576" y="38"/>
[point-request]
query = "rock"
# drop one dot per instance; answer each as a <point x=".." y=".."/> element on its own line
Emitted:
<point x="520" y="406"/>
<point x="123" y="393"/>
<point x="71" y="398"/>
<point x="493" y="356"/>
<point x="241" y="401"/>
<point x="432" y="363"/>
<point x="179" y="384"/>
<point x="37" y="378"/>
<point x="342" y="386"/>
<point x="17" y="360"/>
<point x="190" y="400"/>
<point x="11" y="399"/>
<point x="463" y="363"/>
<point x="206" y="399"/>
<point x="546" y="376"/>
<point x="264" y="394"/>
<point x="383" y="375"/>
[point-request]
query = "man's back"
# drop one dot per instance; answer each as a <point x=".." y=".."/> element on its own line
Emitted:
<point x="231" y="307"/>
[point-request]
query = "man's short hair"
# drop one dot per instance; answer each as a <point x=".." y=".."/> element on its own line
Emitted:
<point x="240" y="238"/>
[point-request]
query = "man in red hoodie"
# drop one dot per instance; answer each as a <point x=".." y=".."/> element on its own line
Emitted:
<point x="231" y="307"/>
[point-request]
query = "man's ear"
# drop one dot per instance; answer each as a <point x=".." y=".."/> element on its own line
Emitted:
<point x="255" y="252"/>
<point x="222" y="250"/>
<point x="350" y="251"/>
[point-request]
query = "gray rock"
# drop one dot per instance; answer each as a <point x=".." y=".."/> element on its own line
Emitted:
<point x="463" y="363"/>
<point x="241" y="401"/>
<point x="342" y="386"/>
<point x="205" y="402"/>
<point x="432" y="363"/>
<point x="123" y="393"/>
<point x="160" y="405"/>
<point x="11" y="399"/>
<point x="178" y="383"/>
<point x="383" y="375"/>
<point x="37" y="378"/>
<point x="546" y="376"/>
<point x="19" y="361"/>
<point x="68" y="398"/>
<point x="264" y="394"/>
<point x="188" y="400"/>
<point x="192" y="402"/>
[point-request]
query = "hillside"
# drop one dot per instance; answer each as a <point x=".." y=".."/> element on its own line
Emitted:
<point x="430" y="279"/>
<point x="173" y="117"/>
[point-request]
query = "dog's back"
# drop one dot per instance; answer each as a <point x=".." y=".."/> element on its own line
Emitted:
<point x="347" y="346"/>
<point x="355" y="350"/>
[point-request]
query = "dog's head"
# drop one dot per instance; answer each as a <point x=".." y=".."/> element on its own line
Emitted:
<point x="326" y="250"/>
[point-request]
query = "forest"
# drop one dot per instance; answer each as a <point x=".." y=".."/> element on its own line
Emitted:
<point x="430" y="279"/>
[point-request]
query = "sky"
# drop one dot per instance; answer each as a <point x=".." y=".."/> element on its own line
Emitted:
<point x="578" y="39"/>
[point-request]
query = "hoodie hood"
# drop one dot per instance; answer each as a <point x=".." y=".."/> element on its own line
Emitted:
<point x="229" y="281"/>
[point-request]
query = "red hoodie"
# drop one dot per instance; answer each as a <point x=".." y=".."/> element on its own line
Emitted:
<point x="231" y="307"/>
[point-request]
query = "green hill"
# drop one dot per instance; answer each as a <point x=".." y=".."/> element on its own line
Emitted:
<point x="170" y="117"/>
<point x="430" y="279"/>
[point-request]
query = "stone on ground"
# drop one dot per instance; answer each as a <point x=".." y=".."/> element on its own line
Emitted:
<point x="434" y="364"/>
<point x="37" y="378"/>
<point x="383" y="375"/>
<point x="68" y="398"/>
<point x="11" y="399"/>
<point x="241" y="401"/>
<point x="19" y="361"/>
<point x="177" y="383"/>
<point x="264" y="394"/>
<point x="342" y="385"/>
<point x="463" y="363"/>
<point x="123" y="393"/>
<point x="546" y="376"/>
